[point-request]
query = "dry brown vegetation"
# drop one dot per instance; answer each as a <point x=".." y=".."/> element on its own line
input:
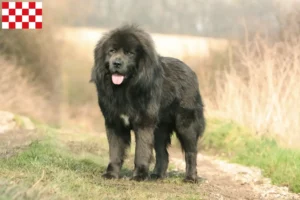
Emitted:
<point x="258" y="85"/>
<point x="19" y="95"/>
<point x="30" y="72"/>
<point x="260" y="89"/>
<point x="31" y="60"/>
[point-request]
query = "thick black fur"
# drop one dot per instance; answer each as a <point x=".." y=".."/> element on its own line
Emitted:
<point x="159" y="96"/>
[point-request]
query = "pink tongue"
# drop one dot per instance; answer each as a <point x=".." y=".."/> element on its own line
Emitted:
<point x="117" y="79"/>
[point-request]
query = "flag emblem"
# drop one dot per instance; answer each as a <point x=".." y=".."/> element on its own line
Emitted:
<point x="22" y="15"/>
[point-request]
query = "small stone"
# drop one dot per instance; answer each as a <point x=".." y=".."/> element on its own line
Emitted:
<point x="7" y="122"/>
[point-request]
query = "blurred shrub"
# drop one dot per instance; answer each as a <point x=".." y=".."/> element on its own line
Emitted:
<point x="255" y="82"/>
<point x="36" y="52"/>
<point x="20" y="96"/>
<point x="37" y="55"/>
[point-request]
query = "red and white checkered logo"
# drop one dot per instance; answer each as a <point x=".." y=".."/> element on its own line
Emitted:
<point x="22" y="15"/>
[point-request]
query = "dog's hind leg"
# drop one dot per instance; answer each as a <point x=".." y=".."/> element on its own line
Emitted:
<point x="188" y="130"/>
<point x="162" y="139"/>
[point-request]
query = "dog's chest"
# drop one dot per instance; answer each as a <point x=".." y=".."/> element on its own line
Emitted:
<point x="125" y="119"/>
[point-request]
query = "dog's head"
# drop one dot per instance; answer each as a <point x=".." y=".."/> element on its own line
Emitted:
<point x="124" y="54"/>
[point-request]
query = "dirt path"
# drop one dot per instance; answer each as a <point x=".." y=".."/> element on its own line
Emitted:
<point x="224" y="180"/>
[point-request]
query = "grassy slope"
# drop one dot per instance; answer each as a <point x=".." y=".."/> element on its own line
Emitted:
<point x="62" y="167"/>
<point x="240" y="146"/>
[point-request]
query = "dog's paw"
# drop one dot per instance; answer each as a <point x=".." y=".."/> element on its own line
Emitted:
<point x="140" y="177"/>
<point x="109" y="176"/>
<point x="190" y="179"/>
<point x="156" y="176"/>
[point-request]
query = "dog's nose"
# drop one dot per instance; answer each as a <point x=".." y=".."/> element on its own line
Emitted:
<point x="117" y="63"/>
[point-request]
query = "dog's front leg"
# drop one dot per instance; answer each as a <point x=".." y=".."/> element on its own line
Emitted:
<point x="143" y="152"/>
<point x="119" y="141"/>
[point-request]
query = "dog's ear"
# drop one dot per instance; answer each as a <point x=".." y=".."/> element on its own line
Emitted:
<point x="149" y="65"/>
<point x="149" y="54"/>
<point x="99" y="58"/>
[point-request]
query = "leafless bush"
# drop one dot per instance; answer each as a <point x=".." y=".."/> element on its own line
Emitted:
<point x="20" y="96"/>
<point x="36" y="51"/>
<point x="260" y="88"/>
<point x="36" y="58"/>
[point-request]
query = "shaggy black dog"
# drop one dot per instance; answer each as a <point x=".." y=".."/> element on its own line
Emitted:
<point x="152" y="95"/>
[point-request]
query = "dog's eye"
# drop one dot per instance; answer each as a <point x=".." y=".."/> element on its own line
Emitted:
<point x="129" y="53"/>
<point x="112" y="51"/>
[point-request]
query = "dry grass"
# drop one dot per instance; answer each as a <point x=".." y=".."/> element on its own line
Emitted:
<point x="35" y="58"/>
<point x="261" y="88"/>
<point x="36" y="52"/>
<point x="19" y="95"/>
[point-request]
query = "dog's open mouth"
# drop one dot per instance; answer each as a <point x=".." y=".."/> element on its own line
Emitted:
<point x="117" y="79"/>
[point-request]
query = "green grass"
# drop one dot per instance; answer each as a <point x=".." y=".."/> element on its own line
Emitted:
<point x="66" y="166"/>
<point x="241" y="146"/>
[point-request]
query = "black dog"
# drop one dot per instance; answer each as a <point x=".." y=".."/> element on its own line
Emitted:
<point x="152" y="95"/>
